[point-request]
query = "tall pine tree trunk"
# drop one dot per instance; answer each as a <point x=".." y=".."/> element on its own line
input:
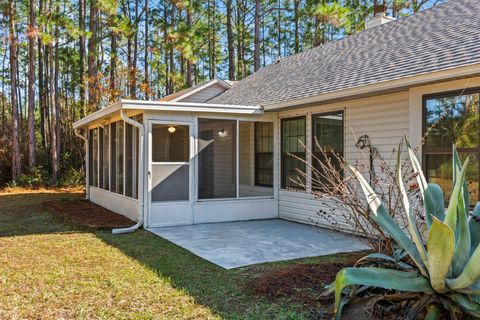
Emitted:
<point x="189" y="78"/>
<point x="256" y="41"/>
<point x="31" y="86"/>
<point x="16" y="166"/>
<point x="81" y="17"/>
<point x="230" y="42"/>
<point x="147" y="48"/>
<point x="92" y="58"/>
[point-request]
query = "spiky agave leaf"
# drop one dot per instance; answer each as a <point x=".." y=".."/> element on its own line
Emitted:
<point x="385" y="221"/>
<point x="457" y="167"/>
<point x="466" y="304"/>
<point x="412" y="224"/>
<point x="379" y="278"/>
<point x="470" y="274"/>
<point x="452" y="210"/>
<point x="440" y="248"/>
<point x="432" y="194"/>
<point x="474" y="226"/>
<point x="383" y="257"/>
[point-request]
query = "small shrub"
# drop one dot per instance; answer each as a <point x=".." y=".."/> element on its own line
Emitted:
<point x="34" y="178"/>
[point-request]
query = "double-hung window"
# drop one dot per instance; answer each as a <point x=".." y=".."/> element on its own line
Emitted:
<point x="293" y="152"/>
<point x="452" y="118"/>
<point x="327" y="146"/>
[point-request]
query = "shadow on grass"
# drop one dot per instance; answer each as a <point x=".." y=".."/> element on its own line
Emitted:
<point x="223" y="291"/>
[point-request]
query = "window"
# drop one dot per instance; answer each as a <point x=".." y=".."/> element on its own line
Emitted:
<point x="293" y="138"/>
<point x="217" y="158"/>
<point x="264" y="154"/>
<point x="327" y="136"/>
<point x="452" y="118"/>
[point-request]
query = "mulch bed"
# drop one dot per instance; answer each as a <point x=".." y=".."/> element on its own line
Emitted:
<point x="301" y="283"/>
<point x="84" y="213"/>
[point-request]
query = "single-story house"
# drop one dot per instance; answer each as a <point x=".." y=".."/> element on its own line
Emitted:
<point x="221" y="151"/>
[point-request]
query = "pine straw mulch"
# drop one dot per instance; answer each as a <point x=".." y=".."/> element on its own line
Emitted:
<point x="301" y="283"/>
<point x="86" y="214"/>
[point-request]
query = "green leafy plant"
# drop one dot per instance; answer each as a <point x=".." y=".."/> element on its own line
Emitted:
<point x="441" y="268"/>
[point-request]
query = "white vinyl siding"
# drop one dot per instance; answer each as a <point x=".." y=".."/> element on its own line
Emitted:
<point x="205" y="94"/>
<point x="385" y="119"/>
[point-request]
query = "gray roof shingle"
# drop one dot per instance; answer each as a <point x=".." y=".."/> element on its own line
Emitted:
<point x="443" y="37"/>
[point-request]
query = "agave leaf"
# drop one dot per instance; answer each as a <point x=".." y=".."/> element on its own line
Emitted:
<point x="380" y="278"/>
<point x="431" y="208"/>
<point x="474" y="226"/>
<point x="440" y="247"/>
<point x="412" y="224"/>
<point x="451" y="217"/>
<point x="386" y="222"/>
<point x="384" y="257"/>
<point x="457" y="167"/>
<point x="462" y="241"/>
<point x="469" y="306"/>
<point x="470" y="274"/>
<point x="438" y="206"/>
<point x="433" y="312"/>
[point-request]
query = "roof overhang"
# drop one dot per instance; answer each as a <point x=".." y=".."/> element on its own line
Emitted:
<point x="390" y="86"/>
<point x="144" y="105"/>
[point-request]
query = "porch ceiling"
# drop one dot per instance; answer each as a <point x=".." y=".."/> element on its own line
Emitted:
<point x="237" y="244"/>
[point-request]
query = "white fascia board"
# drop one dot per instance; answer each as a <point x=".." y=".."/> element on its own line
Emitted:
<point x="202" y="87"/>
<point x="190" y="107"/>
<point x="102" y="113"/>
<point x="379" y="87"/>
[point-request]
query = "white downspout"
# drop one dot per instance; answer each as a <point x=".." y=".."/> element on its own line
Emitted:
<point x="87" y="165"/>
<point x="140" y="176"/>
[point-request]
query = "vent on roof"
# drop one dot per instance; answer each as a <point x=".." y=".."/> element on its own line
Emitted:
<point x="380" y="17"/>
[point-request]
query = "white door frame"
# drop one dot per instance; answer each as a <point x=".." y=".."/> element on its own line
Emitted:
<point x="185" y="207"/>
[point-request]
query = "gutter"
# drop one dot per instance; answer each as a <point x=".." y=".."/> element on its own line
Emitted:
<point x="87" y="169"/>
<point x="140" y="192"/>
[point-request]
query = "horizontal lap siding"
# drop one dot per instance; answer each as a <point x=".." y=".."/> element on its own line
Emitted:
<point x="385" y="119"/>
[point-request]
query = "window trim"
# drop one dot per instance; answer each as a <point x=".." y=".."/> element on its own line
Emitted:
<point x="312" y="137"/>
<point x="282" y="162"/>
<point x="448" y="151"/>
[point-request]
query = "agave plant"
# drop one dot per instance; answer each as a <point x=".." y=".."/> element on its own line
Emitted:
<point x="444" y="268"/>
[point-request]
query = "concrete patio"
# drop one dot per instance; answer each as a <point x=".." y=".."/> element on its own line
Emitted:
<point x="237" y="244"/>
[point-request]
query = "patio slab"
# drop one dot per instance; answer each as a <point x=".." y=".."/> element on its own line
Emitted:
<point x="237" y="244"/>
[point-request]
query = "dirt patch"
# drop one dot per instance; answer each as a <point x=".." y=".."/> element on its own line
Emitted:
<point x="300" y="283"/>
<point x="86" y="214"/>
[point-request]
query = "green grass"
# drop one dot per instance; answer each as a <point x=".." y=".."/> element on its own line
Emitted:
<point x="49" y="270"/>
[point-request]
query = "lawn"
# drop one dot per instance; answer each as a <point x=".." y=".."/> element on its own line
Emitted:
<point x="53" y="270"/>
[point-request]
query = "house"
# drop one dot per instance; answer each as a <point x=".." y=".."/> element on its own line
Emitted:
<point x="221" y="151"/>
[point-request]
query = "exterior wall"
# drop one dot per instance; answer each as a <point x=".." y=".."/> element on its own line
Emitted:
<point x="205" y="94"/>
<point x="385" y="119"/>
<point x="115" y="202"/>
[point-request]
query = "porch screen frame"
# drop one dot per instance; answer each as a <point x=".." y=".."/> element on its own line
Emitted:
<point x="237" y="157"/>
<point x="448" y="150"/>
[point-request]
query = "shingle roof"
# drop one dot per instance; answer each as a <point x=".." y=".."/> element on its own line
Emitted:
<point x="443" y="37"/>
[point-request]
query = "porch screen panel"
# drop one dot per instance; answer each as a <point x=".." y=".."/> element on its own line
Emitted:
<point x="327" y="145"/>
<point x="170" y="163"/>
<point x="95" y="157"/>
<point x="217" y="159"/>
<point x="100" y="157"/>
<point x="119" y="144"/>
<point x="128" y="159"/>
<point x="255" y="159"/>
<point x="293" y="139"/>
<point x="452" y="118"/>
<point x="90" y="157"/>
<point x="113" y="157"/>
<point x="106" y="157"/>
<point x="136" y="151"/>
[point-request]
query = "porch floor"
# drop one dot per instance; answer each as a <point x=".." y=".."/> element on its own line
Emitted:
<point x="237" y="244"/>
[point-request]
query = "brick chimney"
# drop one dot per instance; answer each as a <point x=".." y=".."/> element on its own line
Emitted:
<point x="379" y="17"/>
